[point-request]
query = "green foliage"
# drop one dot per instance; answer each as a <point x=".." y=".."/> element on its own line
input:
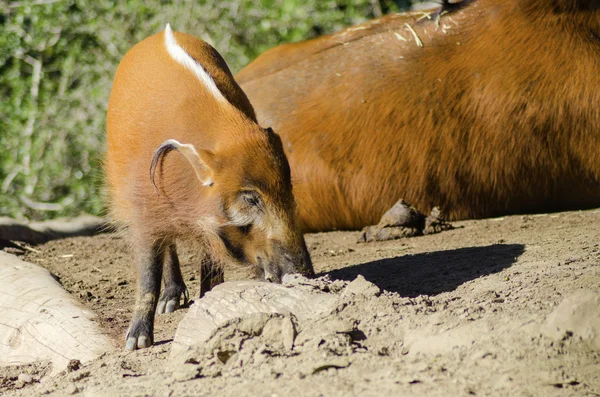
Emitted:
<point x="57" y="59"/>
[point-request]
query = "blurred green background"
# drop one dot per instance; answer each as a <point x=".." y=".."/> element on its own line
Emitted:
<point x="57" y="60"/>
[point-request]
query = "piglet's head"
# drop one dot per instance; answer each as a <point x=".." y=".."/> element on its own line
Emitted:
<point x="253" y="220"/>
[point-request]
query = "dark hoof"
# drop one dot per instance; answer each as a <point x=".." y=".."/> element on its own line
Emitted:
<point x="140" y="342"/>
<point x="139" y="335"/>
<point x="402" y="214"/>
<point x="170" y="300"/>
<point x="403" y="220"/>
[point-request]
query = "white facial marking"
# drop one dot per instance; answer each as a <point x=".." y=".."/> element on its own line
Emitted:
<point x="185" y="59"/>
<point x="239" y="218"/>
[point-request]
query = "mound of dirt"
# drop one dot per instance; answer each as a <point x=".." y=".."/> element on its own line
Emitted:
<point x="255" y="326"/>
<point x="299" y="297"/>
<point x="579" y="315"/>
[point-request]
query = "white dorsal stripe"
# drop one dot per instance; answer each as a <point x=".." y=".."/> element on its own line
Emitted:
<point x="185" y="59"/>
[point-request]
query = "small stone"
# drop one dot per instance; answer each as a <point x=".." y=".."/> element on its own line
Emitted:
<point x="383" y="351"/>
<point x="360" y="286"/>
<point x="73" y="365"/>
<point x="71" y="389"/>
<point x="25" y="378"/>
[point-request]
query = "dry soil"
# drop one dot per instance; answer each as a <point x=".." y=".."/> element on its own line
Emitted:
<point x="462" y="312"/>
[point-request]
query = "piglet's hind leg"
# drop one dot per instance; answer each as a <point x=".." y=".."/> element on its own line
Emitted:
<point x="175" y="287"/>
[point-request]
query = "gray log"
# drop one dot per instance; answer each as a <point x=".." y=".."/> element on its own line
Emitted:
<point x="40" y="321"/>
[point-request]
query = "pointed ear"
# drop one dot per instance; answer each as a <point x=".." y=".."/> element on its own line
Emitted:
<point x="199" y="161"/>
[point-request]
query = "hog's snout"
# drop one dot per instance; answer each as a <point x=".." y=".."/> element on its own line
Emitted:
<point x="285" y="261"/>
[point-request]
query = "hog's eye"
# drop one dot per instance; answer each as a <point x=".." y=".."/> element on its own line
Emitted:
<point x="251" y="198"/>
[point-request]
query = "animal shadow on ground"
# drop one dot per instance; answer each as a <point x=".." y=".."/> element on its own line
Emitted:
<point x="435" y="272"/>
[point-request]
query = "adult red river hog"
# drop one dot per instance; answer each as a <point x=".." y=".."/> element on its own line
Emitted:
<point x="228" y="188"/>
<point x="484" y="108"/>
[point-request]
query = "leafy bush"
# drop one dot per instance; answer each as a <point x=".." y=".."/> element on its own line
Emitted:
<point x="57" y="60"/>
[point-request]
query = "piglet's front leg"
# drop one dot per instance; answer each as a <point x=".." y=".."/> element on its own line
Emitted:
<point x="149" y="259"/>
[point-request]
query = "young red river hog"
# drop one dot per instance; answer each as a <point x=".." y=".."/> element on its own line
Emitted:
<point x="228" y="188"/>
<point x="483" y="108"/>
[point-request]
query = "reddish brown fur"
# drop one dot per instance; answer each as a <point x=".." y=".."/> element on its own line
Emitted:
<point x="140" y="119"/>
<point x="498" y="113"/>
<point x="155" y="99"/>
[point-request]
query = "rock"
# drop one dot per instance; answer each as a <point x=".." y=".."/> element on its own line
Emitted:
<point x="73" y="365"/>
<point x="25" y="378"/>
<point x="578" y="314"/>
<point x="360" y="286"/>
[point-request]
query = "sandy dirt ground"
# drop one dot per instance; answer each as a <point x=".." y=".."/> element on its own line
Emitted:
<point x="459" y="313"/>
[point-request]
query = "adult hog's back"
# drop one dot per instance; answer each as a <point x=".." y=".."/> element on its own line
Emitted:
<point x="491" y="108"/>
